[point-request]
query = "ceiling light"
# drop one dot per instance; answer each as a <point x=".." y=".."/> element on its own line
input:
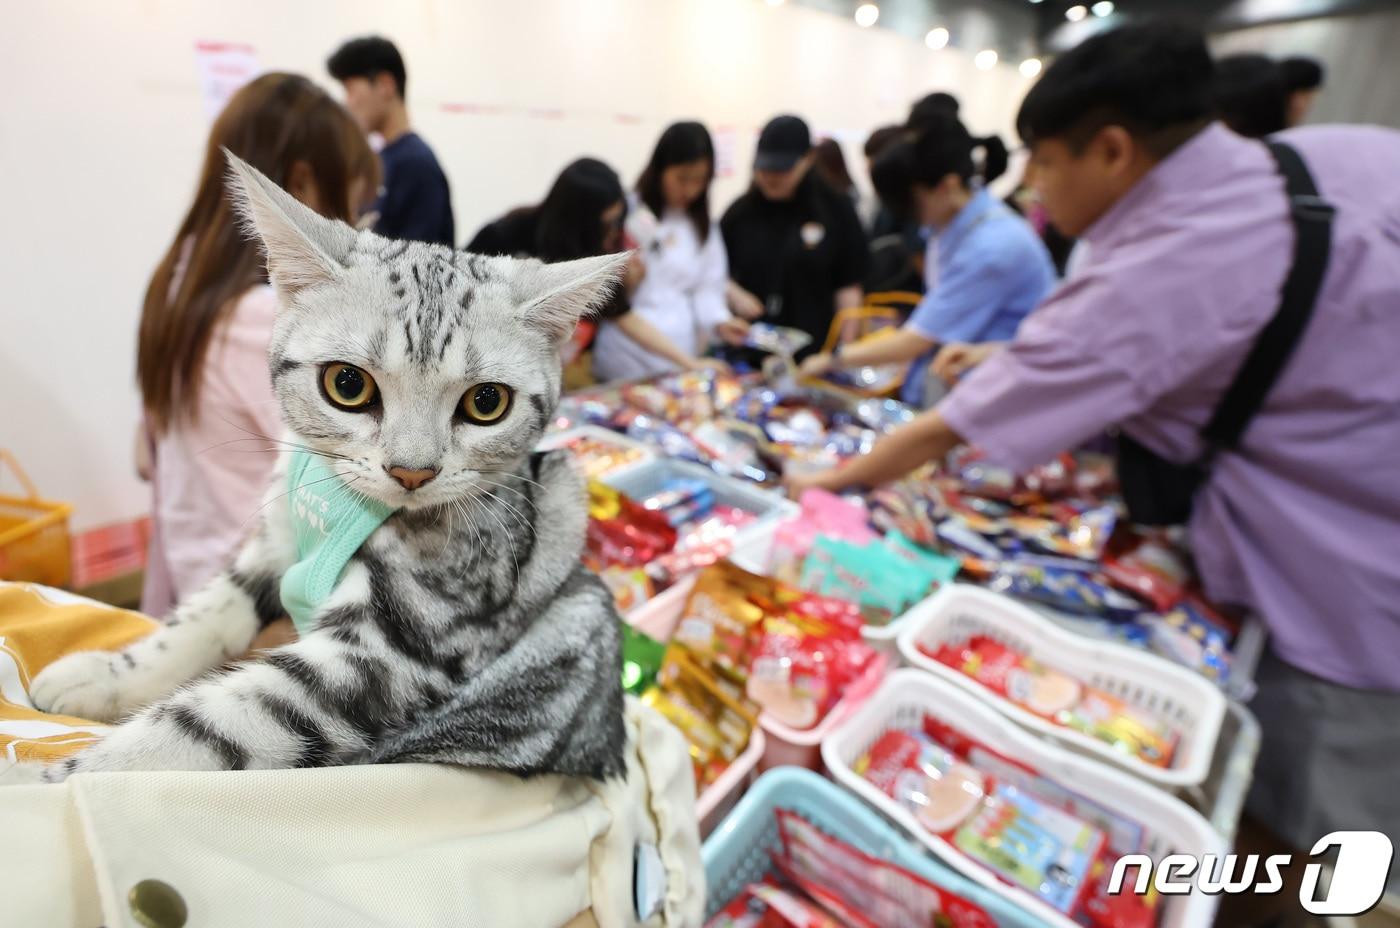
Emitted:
<point x="986" y="59"/>
<point x="937" y="38"/>
<point x="1075" y="13"/>
<point x="1030" y="67"/>
<point x="866" y="14"/>
<point x="1103" y="8"/>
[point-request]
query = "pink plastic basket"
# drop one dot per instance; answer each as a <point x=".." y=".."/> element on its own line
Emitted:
<point x="785" y="746"/>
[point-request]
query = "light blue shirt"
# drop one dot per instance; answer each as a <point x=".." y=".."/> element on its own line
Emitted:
<point x="992" y="270"/>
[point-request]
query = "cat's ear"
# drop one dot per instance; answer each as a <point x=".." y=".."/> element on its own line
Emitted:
<point x="555" y="296"/>
<point x="304" y="249"/>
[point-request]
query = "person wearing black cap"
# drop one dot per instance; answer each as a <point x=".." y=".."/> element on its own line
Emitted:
<point x="797" y="251"/>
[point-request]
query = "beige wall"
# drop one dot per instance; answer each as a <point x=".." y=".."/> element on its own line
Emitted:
<point x="101" y="129"/>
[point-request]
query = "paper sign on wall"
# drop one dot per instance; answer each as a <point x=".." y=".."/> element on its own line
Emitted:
<point x="223" y="68"/>
<point x="726" y="144"/>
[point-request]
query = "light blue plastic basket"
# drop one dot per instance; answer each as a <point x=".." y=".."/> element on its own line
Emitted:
<point x="736" y="854"/>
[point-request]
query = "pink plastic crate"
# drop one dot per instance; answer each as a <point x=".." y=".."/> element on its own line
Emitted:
<point x="785" y="746"/>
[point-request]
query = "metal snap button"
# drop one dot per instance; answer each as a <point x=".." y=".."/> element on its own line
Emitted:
<point x="157" y="905"/>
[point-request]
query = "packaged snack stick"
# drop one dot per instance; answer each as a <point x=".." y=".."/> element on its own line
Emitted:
<point x="1150" y="568"/>
<point x="720" y="618"/>
<point x="1047" y="852"/>
<point x="630" y="586"/>
<point x="1010" y="673"/>
<point x="1126" y="729"/>
<point x="925" y="777"/>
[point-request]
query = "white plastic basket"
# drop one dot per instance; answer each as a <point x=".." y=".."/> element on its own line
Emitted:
<point x="1192" y="705"/>
<point x="769" y="507"/>
<point x="555" y="440"/>
<point x="908" y="696"/>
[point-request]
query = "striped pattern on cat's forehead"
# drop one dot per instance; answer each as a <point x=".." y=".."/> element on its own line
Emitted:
<point x="434" y="289"/>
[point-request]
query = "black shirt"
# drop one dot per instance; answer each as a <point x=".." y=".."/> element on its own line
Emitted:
<point x="415" y="203"/>
<point x="513" y="235"/>
<point x="796" y="254"/>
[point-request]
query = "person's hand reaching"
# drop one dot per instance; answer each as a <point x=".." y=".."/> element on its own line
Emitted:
<point x="733" y="331"/>
<point x="710" y="364"/>
<point x="796" y="484"/>
<point x="955" y="359"/>
<point x="744" y="304"/>
<point x="816" y="365"/>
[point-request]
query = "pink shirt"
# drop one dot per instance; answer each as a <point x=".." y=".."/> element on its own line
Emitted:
<point x="210" y="475"/>
<point x="1302" y="525"/>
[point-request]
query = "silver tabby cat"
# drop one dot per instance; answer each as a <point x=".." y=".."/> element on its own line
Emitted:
<point x="464" y="630"/>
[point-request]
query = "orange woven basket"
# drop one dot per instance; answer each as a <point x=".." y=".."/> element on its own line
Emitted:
<point x="34" y="541"/>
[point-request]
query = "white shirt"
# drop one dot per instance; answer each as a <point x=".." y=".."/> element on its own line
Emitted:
<point x="682" y="294"/>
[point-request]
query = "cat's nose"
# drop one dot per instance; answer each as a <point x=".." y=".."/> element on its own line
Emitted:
<point x="411" y="479"/>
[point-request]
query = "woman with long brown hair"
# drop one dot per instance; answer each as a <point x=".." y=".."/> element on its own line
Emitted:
<point x="211" y="422"/>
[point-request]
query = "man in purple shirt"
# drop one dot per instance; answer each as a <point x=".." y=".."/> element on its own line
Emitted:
<point x="1190" y="240"/>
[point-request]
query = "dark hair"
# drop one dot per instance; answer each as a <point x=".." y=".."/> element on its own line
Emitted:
<point x="681" y="143"/>
<point x="1250" y="95"/>
<point x="931" y="107"/>
<point x="830" y="163"/>
<point x="368" y="57"/>
<point x="1302" y="73"/>
<point x="892" y="176"/>
<point x="944" y="147"/>
<point x="273" y="122"/>
<point x="568" y="224"/>
<point x="1146" y="78"/>
<point x="882" y="138"/>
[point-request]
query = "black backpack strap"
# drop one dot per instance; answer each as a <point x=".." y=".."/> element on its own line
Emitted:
<point x="1312" y="223"/>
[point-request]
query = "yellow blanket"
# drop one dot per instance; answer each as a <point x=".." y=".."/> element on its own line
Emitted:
<point x="38" y="625"/>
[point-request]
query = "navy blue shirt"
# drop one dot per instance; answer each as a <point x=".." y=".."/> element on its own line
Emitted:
<point x="415" y="202"/>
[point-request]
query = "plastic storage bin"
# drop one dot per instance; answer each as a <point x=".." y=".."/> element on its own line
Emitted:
<point x="555" y="440"/>
<point x="908" y="695"/>
<point x="1190" y="703"/>
<point x="647" y="479"/>
<point x="34" y="540"/>
<point x="736" y="854"/>
<point x="797" y="747"/>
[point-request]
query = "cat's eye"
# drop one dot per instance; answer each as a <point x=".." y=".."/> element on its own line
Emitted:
<point x="348" y="387"/>
<point x="486" y="403"/>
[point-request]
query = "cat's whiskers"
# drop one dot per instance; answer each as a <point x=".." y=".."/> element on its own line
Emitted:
<point x="506" y="531"/>
<point x="471" y="523"/>
<point x="277" y="441"/>
<point x="312" y="483"/>
<point x="523" y="520"/>
<point x="511" y="473"/>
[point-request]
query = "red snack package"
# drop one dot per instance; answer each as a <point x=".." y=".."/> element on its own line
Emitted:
<point x="755" y="907"/>
<point x="1148" y="567"/>
<point x="862" y="890"/>
<point x="1010" y="673"/>
<point x="622" y="532"/>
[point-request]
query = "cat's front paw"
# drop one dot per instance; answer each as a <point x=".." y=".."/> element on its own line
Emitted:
<point x="88" y="685"/>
